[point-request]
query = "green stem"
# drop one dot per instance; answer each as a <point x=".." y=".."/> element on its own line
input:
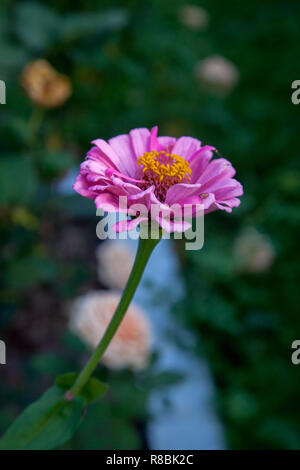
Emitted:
<point x="144" y="251"/>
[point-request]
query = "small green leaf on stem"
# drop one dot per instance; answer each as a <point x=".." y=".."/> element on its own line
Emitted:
<point x="92" y="390"/>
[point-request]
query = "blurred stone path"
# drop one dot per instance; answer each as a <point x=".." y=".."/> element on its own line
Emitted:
<point x="191" y="421"/>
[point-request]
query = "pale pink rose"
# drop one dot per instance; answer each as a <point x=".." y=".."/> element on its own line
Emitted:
<point x="115" y="261"/>
<point x="217" y="73"/>
<point x="130" y="347"/>
<point x="193" y="17"/>
<point x="254" y="251"/>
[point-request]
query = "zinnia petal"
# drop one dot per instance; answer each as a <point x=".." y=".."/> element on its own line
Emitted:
<point x="167" y="142"/>
<point x="186" y="147"/>
<point x="154" y="142"/>
<point x="107" y="151"/>
<point x="140" y="141"/>
<point x="128" y="225"/>
<point x="181" y="191"/>
<point x="123" y="148"/>
<point x="200" y="160"/>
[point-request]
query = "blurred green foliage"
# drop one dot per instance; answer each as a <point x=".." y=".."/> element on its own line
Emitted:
<point x="132" y="64"/>
<point x="246" y="322"/>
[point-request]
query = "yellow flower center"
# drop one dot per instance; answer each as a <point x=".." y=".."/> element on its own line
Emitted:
<point x="163" y="170"/>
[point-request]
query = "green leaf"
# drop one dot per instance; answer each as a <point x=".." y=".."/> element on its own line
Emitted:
<point x="36" y="25"/>
<point x="53" y="164"/>
<point x="12" y="56"/>
<point x="50" y="364"/>
<point x="25" y="272"/>
<point x="17" y="180"/>
<point x="46" y="424"/>
<point x="79" y="25"/>
<point x="93" y="389"/>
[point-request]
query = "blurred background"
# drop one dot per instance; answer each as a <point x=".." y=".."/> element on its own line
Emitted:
<point x="221" y="73"/>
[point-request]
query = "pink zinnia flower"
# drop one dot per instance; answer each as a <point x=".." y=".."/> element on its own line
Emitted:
<point x="162" y="171"/>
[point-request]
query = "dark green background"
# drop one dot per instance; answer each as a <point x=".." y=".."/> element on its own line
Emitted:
<point x="132" y="64"/>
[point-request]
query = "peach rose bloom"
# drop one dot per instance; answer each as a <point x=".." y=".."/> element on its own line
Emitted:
<point x="130" y="347"/>
<point x="44" y="85"/>
<point x="193" y="17"/>
<point x="254" y="251"/>
<point x="217" y="73"/>
<point x="115" y="261"/>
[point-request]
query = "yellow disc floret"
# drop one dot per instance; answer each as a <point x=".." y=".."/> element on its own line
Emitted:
<point x="163" y="170"/>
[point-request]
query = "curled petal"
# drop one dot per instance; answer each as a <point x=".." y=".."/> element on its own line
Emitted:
<point x="123" y="147"/>
<point x="186" y="147"/>
<point x="81" y="187"/>
<point x="216" y="171"/>
<point x="128" y="225"/>
<point x="167" y="142"/>
<point x="109" y="203"/>
<point x="181" y="191"/>
<point x="154" y="142"/>
<point x="140" y="141"/>
<point x="230" y="188"/>
<point x="171" y="226"/>
<point x="106" y="151"/>
<point x="199" y="161"/>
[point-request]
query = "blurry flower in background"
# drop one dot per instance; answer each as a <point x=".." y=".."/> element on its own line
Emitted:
<point x="193" y="17"/>
<point x="44" y="85"/>
<point x="23" y="217"/>
<point x="217" y="73"/>
<point x="115" y="262"/>
<point x="130" y="347"/>
<point x="254" y="251"/>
